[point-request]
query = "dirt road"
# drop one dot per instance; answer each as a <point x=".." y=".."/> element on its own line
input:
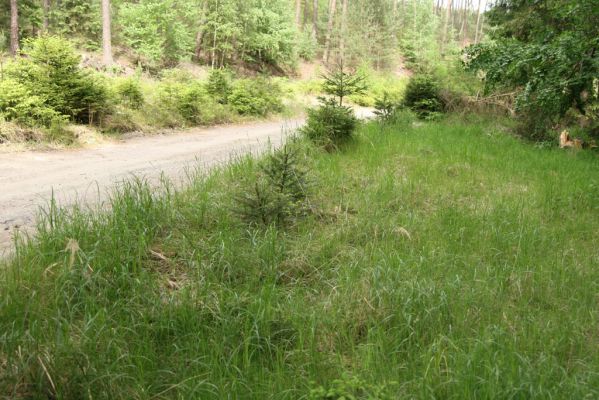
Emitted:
<point x="29" y="179"/>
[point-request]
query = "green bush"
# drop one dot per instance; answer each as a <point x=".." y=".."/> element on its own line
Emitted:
<point x="385" y="108"/>
<point x="377" y="85"/>
<point x="306" y="45"/>
<point x="20" y="105"/>
<point x="258" y="96"/>
<point x="219" y="85"/>
<point x="279" y="191"/>
<point x="50" y="70"/>
<point x="129" y="93"/>
<point x="176" y="75"/>
<point x="423" y="96"/>
<point x="330" y="124"/>
<point x="191" y="102"/>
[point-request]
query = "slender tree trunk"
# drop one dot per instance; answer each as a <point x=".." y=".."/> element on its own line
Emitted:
<point x="476" y="38"/>
<point x="343" y="31"/>
<point x="327" y="44"/>
<point x="298" y="12"/>
<point x="213" y="53"/>
<point x="200" y="35"/>
<point x="453" y="14"/>
<point x="306" y="14"/>
<point x="315" y="20"/>
<point x="403" y="15"/>
<point x="46" y="7"/>
<point x="415" y="19"/>
<point x="395" y="24"/>
<point x="466" y="16"/>
<point x="197" y="52"/>
<point x="106" y="34"/>
<point x="14" y="27"/>
<point x="445" y="26"/>
<point x="461" y="6"/>
<point x="482" y="27"/>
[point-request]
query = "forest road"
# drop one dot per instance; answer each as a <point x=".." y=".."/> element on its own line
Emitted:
<point x="29" y="180"/>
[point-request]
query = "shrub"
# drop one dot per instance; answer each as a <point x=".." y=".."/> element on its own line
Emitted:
<point x="423" y="96"/>
<point x="256" y="97"/>
<point x="385" y="108"/>
<point x="176" y="75"/>
<point x="51" y="71"/>
<point x="120" y="120"/>
<point x="129" y="93"/>
<point x="189" y="102"/>
<point x="330" y="124"/>
<point x="341" y="84"/>
<point x="279" y="191"/>
<point x="219" y="85"/>
<point x="306" y="45"/>
<point x="19" y="105"/>
<point x="377" y="84"/>
<point x="57" y="132"/>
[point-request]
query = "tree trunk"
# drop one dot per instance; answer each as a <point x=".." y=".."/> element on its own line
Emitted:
<point x="327" y="44"/>
<point x="298" y="12"/>
<point x="476" y="38"/>
<point x="343" y="31"/>
<point x="482" y="27"/>
<point x="106" y="34"/>
<point x="462" y="15"/>
<point x="453" y="14"/>
<point x="445" y="26"/>
<point x="197" y="52"/>
<point x="306" y="14"/>
<point x="200" y="35"/>
<point x="315" y="20"/>
<point x="395" y="24"/>
<point x="46" y="7"/>
<point x="403" y="15"/>
<point x="415" y="19"/>
<point x="466" y="16"/>
<point x="14" y="28"/>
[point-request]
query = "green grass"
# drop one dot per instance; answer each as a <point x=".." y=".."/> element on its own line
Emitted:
<point x="442" y="260"/>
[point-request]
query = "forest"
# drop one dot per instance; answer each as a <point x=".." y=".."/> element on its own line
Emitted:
<point x="299" y="199"/>
<point x="124" y="63"/>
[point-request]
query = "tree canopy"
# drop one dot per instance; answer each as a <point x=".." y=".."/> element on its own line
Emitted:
<point x="548" y="51"/>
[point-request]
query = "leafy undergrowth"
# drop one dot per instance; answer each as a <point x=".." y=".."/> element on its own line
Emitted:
<point x="439" y="261"/>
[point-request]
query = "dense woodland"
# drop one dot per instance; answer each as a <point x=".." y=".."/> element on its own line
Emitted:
<point x="536" y="61"/>
<point x="271" y="34"/>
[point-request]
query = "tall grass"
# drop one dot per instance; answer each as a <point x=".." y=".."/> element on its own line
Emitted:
<point x="443" y="260"/>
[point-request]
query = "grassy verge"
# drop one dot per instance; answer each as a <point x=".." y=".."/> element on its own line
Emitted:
<point x="441" y="260"/>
